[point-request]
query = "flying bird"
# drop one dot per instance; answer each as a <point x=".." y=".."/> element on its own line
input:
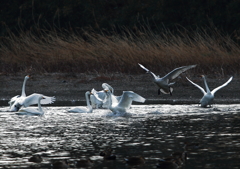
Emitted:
<point x="163" y="83"/>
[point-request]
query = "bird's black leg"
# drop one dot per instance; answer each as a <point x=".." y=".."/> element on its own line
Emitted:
<point x="170" y="93"/>
<point x="159" y="92"/>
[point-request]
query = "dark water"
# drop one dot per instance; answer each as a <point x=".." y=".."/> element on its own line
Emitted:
<point x="152" y="131"/>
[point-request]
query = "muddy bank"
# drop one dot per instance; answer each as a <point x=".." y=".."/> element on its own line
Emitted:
<point x="71" y="87"/>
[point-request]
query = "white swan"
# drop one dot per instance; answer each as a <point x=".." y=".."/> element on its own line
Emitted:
<point x="97" y="98"/>
<point x="18" y="97"/>
<point x="125" y="102"/>
<point x="18" y="101"/>
<point x="33" y="111"/>
<point x="163" y="83"/>
<point x="31" y="100"/>
<point x="208" y="95"/>
<point x="87" y="109"/>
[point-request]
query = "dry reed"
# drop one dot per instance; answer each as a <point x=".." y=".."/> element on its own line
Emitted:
<point x="51" y="51"/>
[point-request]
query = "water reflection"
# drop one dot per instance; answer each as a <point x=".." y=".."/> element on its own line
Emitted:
<point x="151" y="131"/>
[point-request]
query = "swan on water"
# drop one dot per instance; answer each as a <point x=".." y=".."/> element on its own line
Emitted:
<point x="18" y="97"/>
<point x="33" y="111"/>
<point x="87" y="109"/>
<point x="163" y="83"/>
<point x="125" y="101"/>
<point x="18" y="101"/>
<point x="97" y="98"/>
<point x="208" y="95"/>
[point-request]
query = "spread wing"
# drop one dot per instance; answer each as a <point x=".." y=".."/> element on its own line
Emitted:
<point x="148" y="71"/>
<point x="33" y="99"/>
<point x="176" y="72"/>
<point x="225" y="84"/>
<point x="202" y="90"/>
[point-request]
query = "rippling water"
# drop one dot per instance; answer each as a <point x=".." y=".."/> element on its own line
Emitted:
<point x="152" y="131"/>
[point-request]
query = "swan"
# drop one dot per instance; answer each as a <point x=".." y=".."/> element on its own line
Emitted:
<point x="87" y="109"/>
<point x="32" y="111"/>
<point x="163" y="83"/>
<point x="208" y="95"/>
<point x="97" y="97"/>
<point x="124" y="103"/>
<point x="18" y="101"/>
<point x="18" y="97"/>
<point x="30" y="100"/>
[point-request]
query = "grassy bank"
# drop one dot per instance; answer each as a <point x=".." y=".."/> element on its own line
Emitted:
<point x="49" y="51"/>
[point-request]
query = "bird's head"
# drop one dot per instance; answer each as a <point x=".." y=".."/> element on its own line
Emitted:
<point x="28" y="76"/>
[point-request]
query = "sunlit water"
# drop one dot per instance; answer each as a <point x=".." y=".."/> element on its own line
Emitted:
<point x="152" y="131"/>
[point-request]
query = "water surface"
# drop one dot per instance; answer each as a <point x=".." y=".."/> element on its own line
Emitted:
<point x="153" y="131"/>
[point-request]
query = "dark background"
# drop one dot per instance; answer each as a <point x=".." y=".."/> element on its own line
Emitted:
<point x="72" y="15"/>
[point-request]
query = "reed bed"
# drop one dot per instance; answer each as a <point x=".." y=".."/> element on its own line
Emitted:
<point x="53" y="51"/>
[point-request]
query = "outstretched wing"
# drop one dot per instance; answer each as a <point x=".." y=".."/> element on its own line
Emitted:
<point x="225" y="84"/>
<point x="148" y="71"/>
<point x="33" y="99"/>
<point x="48" y="100"/>
<point x="202" y="90"/>
<point x="138" y="98"/>
<point x="96" y="95"/>
<point x="176" y="72"/>
<point x="128" y="97"/>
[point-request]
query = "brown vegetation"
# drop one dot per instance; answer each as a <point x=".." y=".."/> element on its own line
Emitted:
<point x="51" y="51"/>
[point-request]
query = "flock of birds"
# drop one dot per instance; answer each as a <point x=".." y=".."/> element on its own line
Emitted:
<point x="21" y="104"/>
<point x="106" y="98"/>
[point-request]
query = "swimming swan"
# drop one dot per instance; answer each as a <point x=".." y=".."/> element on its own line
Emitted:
<point x="125" y="102"/>
<point x="208" y="96"/>
<point x="33" y="111"/>
<point x="163" y="83"/>
<point x="87" y="109"/>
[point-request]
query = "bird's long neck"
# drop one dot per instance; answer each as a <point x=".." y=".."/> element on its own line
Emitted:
<point x="39" y="105"/>
<point x="206" y="85"/>
<point x="112" y="90"/>
<point x="87" y="101"/>
<point x="109" y="97"/>
<point x="154" y="76"/>
<point x="23" y="87"/>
